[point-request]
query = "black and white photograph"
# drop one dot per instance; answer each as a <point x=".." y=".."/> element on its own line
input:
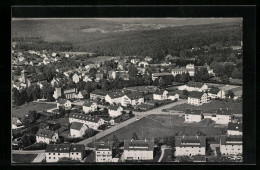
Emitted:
<point x="120" y="90"/>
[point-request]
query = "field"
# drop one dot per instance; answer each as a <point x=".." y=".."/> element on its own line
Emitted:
<point x="234" y="105"/>
<point x="21" y="158"/>
<point x="147" y="128"/>
<point x="23" y="110"/>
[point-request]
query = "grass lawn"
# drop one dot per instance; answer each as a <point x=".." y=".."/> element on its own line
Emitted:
<point x="212" y="106"/>
<point x="23" y="158"/>
<point x="22" y="110"/>
<point x="90" y="157"/>
<point x="166" y="156"/>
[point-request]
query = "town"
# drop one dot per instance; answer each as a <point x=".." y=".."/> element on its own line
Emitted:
<point x="83" y="107"/>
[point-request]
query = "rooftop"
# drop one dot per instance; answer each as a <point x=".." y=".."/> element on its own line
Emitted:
<point x="84" y="117"/>
<point x="195" y="94"/>
<point x="76" y="125"/>
<point x="231" y="140"/>
<point x="235" y="126"/>
<point x="139" y="145"/>
<point x="224" y="111"/>
<point x="193" y="112"/>
<point x="114" y="95"/>
<point x="195" y="84"/>
<point x="104" y="145"/>
<point x="45" y="133"/>
<point x="187" y="141"/>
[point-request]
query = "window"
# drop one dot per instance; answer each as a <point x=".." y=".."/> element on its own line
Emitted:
<point x="53" y="153"/>
<point x="58" y="153"/>
<point x="53" y="157"/>
<point x="72" y="153"/>
<point x="49" y="157"/>
<point x="49" y="153"/>
<point x="77" y="153"/>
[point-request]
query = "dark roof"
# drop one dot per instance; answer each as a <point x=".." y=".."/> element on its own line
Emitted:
<point x="68" y="91"/>
<point x="113" y="107"/>
<point x="195" y="94"/>
<point x="225" y="111"/>
<point x="214" y="90"/>
<point x="139" y="145"/>
<point x="231" y="140"/>
<point x="173" y="93"/>
<point x="195" y="84"/>
<point x="104" y="145"/>
<point x="235" y="126"/>
<point x="77" y="148"/>
<point x="36" y="78"/>
<point x="62" y="101"/>
<point x="114" y="95"/>
<point x="84" y="92"/>
<point x="88" y="103"/>
<point x="135" y="95"/>
<point x="150" y="102"/>
<point x="65" y="148"/>
<point x="84" y="117"/>
<point x="193" y="112"/>
<point x="76" y="125"/>
<point x="160" y="92"/>
<point x="143" y="106"/>
<point x="188" y="141"/>
<point x="45" y="133"/>
<point x="99" y="92"/>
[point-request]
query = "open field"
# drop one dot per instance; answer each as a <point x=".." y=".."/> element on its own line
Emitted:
<point x="23" y="110"/>
<point x="212" y="106"/>
<point x="23" y="158"/>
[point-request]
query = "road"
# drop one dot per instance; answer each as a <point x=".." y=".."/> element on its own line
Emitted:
<point x="162" y="153"/>
<point x="138" y="116"/>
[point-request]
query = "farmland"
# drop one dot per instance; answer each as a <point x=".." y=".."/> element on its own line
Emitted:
<point x="23" y="110"/>
<point x="21" y="158"/>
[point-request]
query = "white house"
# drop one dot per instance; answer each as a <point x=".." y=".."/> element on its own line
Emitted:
<point x="63" y="103"/>
<point x="77" y="129"/>
<point x="231" y="145"/>
<point x="193" y="115"/>
<point x="89" y="106"/>
<point x="143" y="63"/>
<point x="57" y="93"/>
<point x="115" y="111"/>
<point x="77" y="152"/>
<point x="16" y="123"/>
<point x="82" y="94"/>
<point x="114" y="97"/>
<point x="135" y="150"/>
<point x="160" y="95"/>
<point x="194" y="86"/>
<point x="223" y="116"/>
<point x="216" y="93"/>
<point x="190" y="145"/>
<point x="70" y="93"/>
<point x="173" y="95"/>
<point x="234" y="128"/>
<point x="133" y="99"/>
<point x="98" y="94"/>
<point x="197" y="98"/>
<point x="55" y="81"/>
<point x="46" y="136"/>
<point x="103" y="151"/>
<point x="91" y="122"/>
<point x="75" y="78"/>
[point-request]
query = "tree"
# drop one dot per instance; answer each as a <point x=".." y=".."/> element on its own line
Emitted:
<point x="237" y="73"/>
<point x="92" y="71"/>
<point x="230" y="94"/>
<point x="88" y="133"/>
<point x="177" y="78"/>
<point x="135" y="136"/>
<point x="161" y="82"/>
<point x="105" y="85"/>
<point x="147" y="79"/>
<point x="116" y="144"/>
<point x="80" y="85"/>
<point x="132" y="70"/>
<point x="232" y="58"/>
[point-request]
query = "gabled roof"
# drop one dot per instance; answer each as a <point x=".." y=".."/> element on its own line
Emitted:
<point x="214" y="90"/>
<point x="147" y="145"/>
<point x="173" y="93"/>
<point x="62" y="101"/>
<point x="231" y="140"/>
<point x="134" y="95"/>
<point x="235" y="126"/>
<point x="161" y="74"/>
<point x="58" y="148"/>
<point x="104" y="146"/>
<point x="84" y="117"/>
<point x="160" y="92"/>
<point x="36" y="78"/>
<point x="76" y="125"/>
<point x="224" y="111"/>
<point x="15" y="119"/>
<point x="99" y="92"/>
<point x="195" y="94"/>
<point x="73" y="90"/>
<point x="115" y="108"/>
<point x="187" y="141"/>
<point x="195" y="84"/>
<point x="88" y="103"/>
<point x="77" y="148"/>
<point x="84" y="92"/>
<point x="193" y="111"/>
<point x="45" y="133"/>
<point x="114" y="95"/>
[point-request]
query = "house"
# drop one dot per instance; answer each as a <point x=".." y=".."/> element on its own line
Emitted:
<point x="123" y="75"/>
<point x="16" y="123"/>
<point x="158" y="75"/>
<point x="114" y="97"/>
<point x="109" y="120"/>
<point x="216" y="93"/>
<point x="99" y="76"/>
<point x="103" y="151"/>
<point x="63" y="103"/>
<point x="46" y="61"/>
<point x="91" y="122"/>
<point x="121" y="65"/>
<point x="135" y="60"/>
<point x="197" y="98"/>
<point x="77" y="129"/>
<point x="138" y="150"/>
<point x="89" y="106"/>
<point x="57" y="93"/>
<point x="190" y="145"/>
<point x="56" y="152"/>
<point x="98" y="94"/>
<point x="143" y="106"/>
<point x="82" y="94"/>
<point x="174" y="95"/>
<point x="223" y="116"/>
<point x="75" y="78"/>
<point x="148" y="59"/>
<point x="177" y="71"/>
<point x="36" y="80"/>
<point x="55" y="81"/>
<point x="133" y="99"/>
<point x="70" y="93"/>
<point x="34" y="62"/>
<point x="238" y="92"/>
<point x="46" y="136"/>
<point x="160" y="95"/>
<point x="87" y="78"/>
<point x="231" y="145"/>
<point x="194" y="86"/>
<point x="115" y="111"/>
<point x="234" y="128"/>
<point x="143" y="63"/>
<point x="193" y="115"/>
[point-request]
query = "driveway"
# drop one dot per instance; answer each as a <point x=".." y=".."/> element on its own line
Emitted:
<point x="162" y="154"/>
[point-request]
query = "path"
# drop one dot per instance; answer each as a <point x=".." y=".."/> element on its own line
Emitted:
<point x="162" y="154"/>
<point x="39" y="158"/>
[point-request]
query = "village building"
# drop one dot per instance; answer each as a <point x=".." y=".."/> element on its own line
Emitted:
<point x="109" y="121"/>
<point x="190" y="145"/>
<point x="160" y="95"/>
<point x="98" y="94"/>
<point x="174" y="95"/>
<point x="89" y="106"/>
<point x="133" y="99"/>
<point x="77" y="152"/>
<point x="115" y="111"/>
<point x="99" y="76"/>
<point x="55" y="81"/>
<point x="46" y="136"/>
<point x="194" y="86"/>
<point x="148" y="59"/>
<point x="103" y="151"/>
<point x="91" y="122"/>
<point x="197" y="98"/>
<point x="216" y="93"/>
<point x="189" y="69"/>
<point x="38" y="79"/>
<point x="143" y="63"/>
<point x="223" y="116"/>
<point x="16" y="123"/>
<point x="70" y="93"/>
<point x="57" y="93"/>
<point x="66" y="104"/>
<point x="75" y="78"/>
<point x="138" y="150"/>
<point x="159" y="75"/>
<point x="193" y="115"/>
<point x="46" y="61"/>
<point x="77" y="129"/>
<point x="231" y="145"/>
<point x="234" y="128"/>
<point x="87" y="78"/>
<point x="135" y="60"/>
<point x="114" y="97"/>
<point x="82" y="94"/>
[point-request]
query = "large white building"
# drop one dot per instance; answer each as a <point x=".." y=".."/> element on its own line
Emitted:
<point x="193" y="115"/>
<point x="190" y="145"/>
<point x="103" y="151"/>
<point x="234" y="128"/>
<point x="160" y="95"/>
<point x="114" y="97"/>
<point x="55" y="152"/>
<point x="223" y="116"/>
<point x="89" y="106"/>
<point x="91" y="122"/>
<point x="77" y="129"/>
<point x="194" y="86"/>
<point x="216" y="93"/>
<point x="197" y="98"/>
<point x="133" y="99"/>
<point x="138" y="150"/>
<point x="115" y="111"/>
<point x="63" y="103"/>
<point x="46" y="136"/>
<point x="231" y="145"/>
